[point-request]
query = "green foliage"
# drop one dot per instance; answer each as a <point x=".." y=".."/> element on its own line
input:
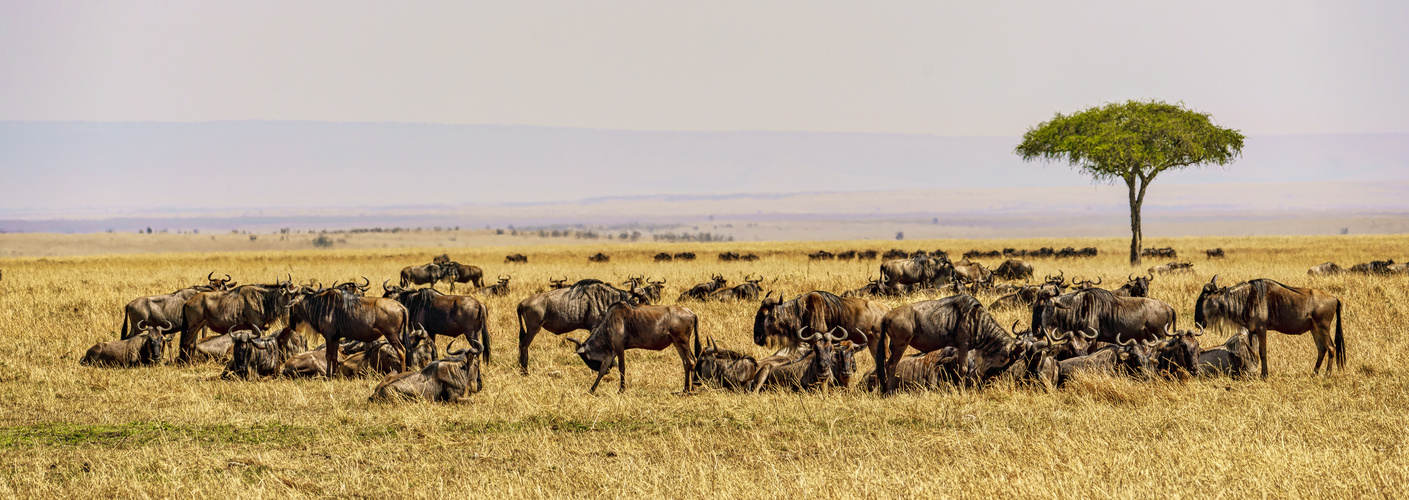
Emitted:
<point x="1130" y="140"/>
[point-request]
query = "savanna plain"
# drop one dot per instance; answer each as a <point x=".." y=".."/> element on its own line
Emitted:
<point x="76" y="431"/>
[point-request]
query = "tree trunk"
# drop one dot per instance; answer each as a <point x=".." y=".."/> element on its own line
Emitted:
<point x="1136" y="243"/>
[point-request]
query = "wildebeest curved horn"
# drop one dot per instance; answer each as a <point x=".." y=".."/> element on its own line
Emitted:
<point x="366" y="285"/>
<point x="575" y="341"/>
<point x="210" y="277"/>
<point x="142" y="325"/>
<point x="809" y="338"/>
<point x="1201" y="331"/>
<point x="1214" y="281"/>
<point x="1093" y="334"/>
<point x="1127" y="343"/>
<point x="1052" y="334"/>
<point x="257" y="331"/>
<point x="504" y="277"/>
<point x="1130" y="277"/>
<point x="166" y="328"/>
<point x="1098" y="281"/>
<point x="1151" y="344"/>
<point x="1015" y="326"/>
<point x="228" y="278"/>
<point x="835" y="338"/>
<point x="475" y="347"/>
<point x="384" y="286"/>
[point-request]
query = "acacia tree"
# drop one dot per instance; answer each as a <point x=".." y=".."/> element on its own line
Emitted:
<point x="1133" y="142"/>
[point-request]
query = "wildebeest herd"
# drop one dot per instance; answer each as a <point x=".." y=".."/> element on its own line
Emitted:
<point x="1075" y="327"/>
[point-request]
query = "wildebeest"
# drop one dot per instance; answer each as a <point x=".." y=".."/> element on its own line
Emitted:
<point x="728" y="256"/>
<point x="1173" y="268"/>
<point x="982" y="254"/>
<point x="821" y="255"/>
<point x="1166" y="252"/>
<point x="1327" y="269"/>
<point x="922" y="271"/>
<point x="340" y="315"/>
<point x="685" y="256"/>
<point x="629" y="326"/>
<point x="867" y="254"/>
<point x="599" y="257"/>
<point x="812" y="367"/>
<point x="652" y="291"/>
<point x="448" y="315"/>
<point x="556" y="283"/>
<point x="922" y="371"/>
<point x="451" y="379"/>
<point x="818" y="311"/>
<point x="241" y="308"/>
<point x="748" y="257"/>
<point x="1262" y="304"/>
<point x="1013" y="269"/>
<point x="847" y="255"/>
<point x="1023" y="297"/>
<point x="1236" y="357"/>
<point x="749" y="290"/>
<point x="255" y="356"/>
<point x="960" y="322"/>
<point x="353" y="288"/>
<point x="973" y="272"/>
<point x="873" y="287"/>
<point x="702" y="290"/>
<point x="144" y="348"/>
<point x="214" y="348"/>
<point x="422" y="275"/>
<point x="1134" y="287"/>
<point x="499" y="289"/>
<point x="517" y="257"/>
<point x="723" y="368"/>
<point x="420" y="349"/>
<point x="1214" y="253"/>
<point x="1373" y="267"/>
<point x="1127" y="356"/>
<point x="1095" y="309"/>
<point x="663" y="257"/>
<point x="441" y="259"/>
<point x="895" y="253"/>
<point x="167" y="308"/>
<point x="456" y="272"/>
<point x="1179" y="354"/>
<point x="577" y="307"/>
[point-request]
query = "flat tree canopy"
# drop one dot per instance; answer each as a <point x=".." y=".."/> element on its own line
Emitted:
<point x="1132" y="141"/>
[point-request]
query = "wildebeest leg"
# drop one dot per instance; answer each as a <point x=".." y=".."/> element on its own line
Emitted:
<point x="873" y="343"/>
<point x="1321" y="348"/>
<point x="330" y="346"/>
<point x="526" y="334"/>
<point x="897" y="352"/>
<point x="687" y="359"/>
<point x="621" y="368"/>
<point x="760" y="376"/>
<point x="188" y="342"/>
<point x="1262" y="348"/>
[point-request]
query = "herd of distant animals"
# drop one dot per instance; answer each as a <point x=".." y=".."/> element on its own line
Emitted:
<point x="1075" y="327"/>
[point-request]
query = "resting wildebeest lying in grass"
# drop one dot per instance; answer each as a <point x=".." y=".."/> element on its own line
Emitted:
<point x="724" y="368"/>
<point x="1129" y="356"/>
<point x="1235" y="358"/>
<point x="629" y="326"/>
<point x="922" y="371"/>
<point x="805" y="369"/>
<point x="142" y="349"/>
<point x="452" y="379"/>
<point x="420" y="352"/>
<point x="258" y="357"/>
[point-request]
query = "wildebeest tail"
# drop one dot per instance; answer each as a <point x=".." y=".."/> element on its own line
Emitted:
<point x="880" y="356"/>
<point x="125" y="321"/>
<point x="1340" y="338"/>
<point x="484" y="334"/>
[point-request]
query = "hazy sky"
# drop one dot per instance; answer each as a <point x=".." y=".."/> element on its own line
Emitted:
<point x="960" y="68"/>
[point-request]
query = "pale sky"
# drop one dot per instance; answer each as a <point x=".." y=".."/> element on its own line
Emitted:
<point x="962" y="68"/>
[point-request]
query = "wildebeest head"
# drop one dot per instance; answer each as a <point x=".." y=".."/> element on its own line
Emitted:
<point x="1180" y="353"/>
<point x="245" y="342"/>
<point x="652" y="290"/>
<point x="556" y="283"/>
<point x="1211" y="304"/>
<point x="420" y="347"/>
<point x="845" y="362"/>
<point x="391" y="291"/>
<point x="824" y="345"/>
<point x="1134" y="355"/>
<point x="219" y="284"/>
<point x="764" y="319"/>
<point x="151" y="350"/>
<point x="461" y="367"/>
<point x="719" y="281"/>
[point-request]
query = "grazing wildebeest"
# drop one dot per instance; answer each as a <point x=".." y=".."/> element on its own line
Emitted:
<point x="748" y="257"/>
<point x="847" y="255"/>
<point x="895" y="253"/>
<point x="1327" y="269"/>
<point x="922" y="271"/>
<point x="499" y="289"/>
<point x="1134" y="287"/>
<point x="629" y="326"/>
<point x="728" y="256"/>
<point x="422" y="275"/>
<point x="242" y="308"/>
<point x="724" y="368"/>
<point x="1236" y="357"/>
<point x="1013" y="269"/>
<point x="867" y="254"/>
<point x="1214" y="253"/>
<point x="456" y="272"/>
<point x="821" y="255"/>
<point x="518" y="257"/>
<point x="1159" y="252"/>
<point x="663" y="257"/>
<point x="599" y="257"/>
<point x="1127" y="356"/>
<point x="144" y="348"/>
<point x="448" y="315"/>
<point x="814" y="366"/>
<point x="973" y="272"/>
<point x="749" y="290"/>
<point x="339" y="315"/>
<point x="702" y="290"/>
<point x="1262" y="304"/>
<point x="1373" y="267"/>
<point x="685" y="256"/>
<point x="922" y="371"/>
<point x="451" y="379"/>
<point x="253" y="356"/>
<point x="652" y="291"/>
<point x="1095" y="309"/>
<point x="779" y="320"/>
<point x="577" y="307"/>
<point x="960" y="322"/>
<point x="1173" y="268"/>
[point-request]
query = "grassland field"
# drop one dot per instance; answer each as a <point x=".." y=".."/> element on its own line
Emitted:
<point x="75" y="431"/>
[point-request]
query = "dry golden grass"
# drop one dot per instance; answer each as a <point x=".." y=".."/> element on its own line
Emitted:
<point x="75" y="431"/>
